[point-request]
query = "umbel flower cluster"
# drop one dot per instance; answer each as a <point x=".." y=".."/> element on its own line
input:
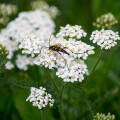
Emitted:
<point x="69" y="61"/>
<point x="33" y="22"/>
<point x="42" y="5"/>
<point x="104" y="117"/>
<point x="105" y="38"/>
<point x="7" y="10"/>
<point x="40" y="98"/>
<point x="71" y="31"/>
<point x="105" y="21"/>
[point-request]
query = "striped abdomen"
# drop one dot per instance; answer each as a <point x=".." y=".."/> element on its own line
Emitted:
<point x="58" y="49"/>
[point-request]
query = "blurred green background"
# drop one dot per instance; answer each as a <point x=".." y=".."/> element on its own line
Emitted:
<point x="102" y="93"/>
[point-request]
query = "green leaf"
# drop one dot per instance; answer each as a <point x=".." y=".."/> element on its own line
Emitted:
<point x="25" y="109"/>
<point x="112" y="76"/>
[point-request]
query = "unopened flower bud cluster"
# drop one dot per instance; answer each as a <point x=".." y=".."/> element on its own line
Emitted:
<point x="3" y="54"/>
<point x="105" y="38"/>
<point x="40" y="98"/>
<point x="104" y="117"/>
<point x="70" y="66"/>
<point x="3" y="50"/>
<point x="42" y="5"/>
<point x="105" y="21"/>
<point x="6" y="10"/>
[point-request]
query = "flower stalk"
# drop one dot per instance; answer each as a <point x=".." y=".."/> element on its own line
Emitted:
<point x="94" y="67"/>
<point x="57" y="90"/>
<point x="61" y="106"/>
<point x="42" y="115"/>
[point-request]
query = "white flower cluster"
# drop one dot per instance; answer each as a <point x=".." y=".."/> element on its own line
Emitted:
<point x="105" y="21"/>
<point x="32" y="44"/>
<point x="33" y="22"/>
<point x="42" y="5"/>
<point x="9" y="65"/>
<point x="40" y="98"/>
<point x="72" y="31"/>
<point x="105" y="38"/>
<point x="74" y="71"/>
<point x="6" y="10"/>
<point x="73" y="53"/>
<point x="23" y="61"/>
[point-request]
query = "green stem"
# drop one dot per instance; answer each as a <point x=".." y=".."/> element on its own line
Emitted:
<point x="8" y="109"/>
<point x="90" y="109"/>
<point x="53" y="82"/>
<point x="61" y="107"/>
<point x="37" y="73"/>
<point x="42" y="115"/>
<point x="94" y="67"/>
<point x="9" y="106"/>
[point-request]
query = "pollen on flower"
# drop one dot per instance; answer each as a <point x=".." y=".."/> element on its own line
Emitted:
<point x="40" y="98"/>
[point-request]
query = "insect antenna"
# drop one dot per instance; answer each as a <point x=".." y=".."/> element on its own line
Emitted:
<point x="64" y="59"/>
<point x="45" y="46"/>
<point x="50" y="39"/>
<point x="42" y="48"/>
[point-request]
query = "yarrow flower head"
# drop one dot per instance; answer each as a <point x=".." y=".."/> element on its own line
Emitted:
<point x="71" y="31"/>
<point x="33" y="22"/>
<point x="74" y="71"/>
<point x="38" y="22"/>
<point x="40" y="98"/>
<point x="105" y="21"/>
<point x="101" y="116"/>
<point x="68" y="57"/>
<point x="43" y="6"/>
<point x="105" y="38"/>
<point x="7" y="10"/>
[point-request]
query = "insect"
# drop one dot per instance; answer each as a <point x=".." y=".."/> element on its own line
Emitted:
<point x="58" y="48"/>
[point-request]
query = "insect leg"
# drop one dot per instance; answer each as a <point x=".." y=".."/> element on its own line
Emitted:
<point x="64" y="59"/>
<point x="66" y="48"/>
<point x="50" y="39"/>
